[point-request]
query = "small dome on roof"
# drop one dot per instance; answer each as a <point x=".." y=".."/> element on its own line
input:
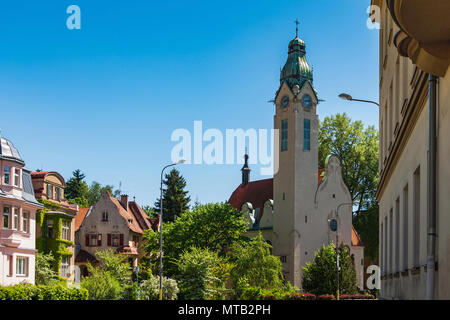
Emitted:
<point x="296" y="69"/>
<point x="9" y="152"/>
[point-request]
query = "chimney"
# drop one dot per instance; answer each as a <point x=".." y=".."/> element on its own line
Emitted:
<point x="245" y="172"/>
<point x="124" y="201"/>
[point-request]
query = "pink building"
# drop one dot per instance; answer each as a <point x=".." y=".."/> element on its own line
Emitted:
<point x="18" y="207"/>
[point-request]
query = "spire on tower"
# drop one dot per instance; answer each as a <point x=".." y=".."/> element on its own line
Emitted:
<point x="296" y="27"/>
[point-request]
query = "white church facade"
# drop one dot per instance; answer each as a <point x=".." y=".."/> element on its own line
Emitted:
<point x="293" y="210"/>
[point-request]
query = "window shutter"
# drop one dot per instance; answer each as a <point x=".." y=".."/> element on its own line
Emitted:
<point x="87" y="240"/>
<point x="99" y="240"/>
<point x="109" y="239"/>
<point x="121" y="240"/>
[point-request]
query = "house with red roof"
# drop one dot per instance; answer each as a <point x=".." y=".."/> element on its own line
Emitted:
<point x="55" y="223"/>
<point x="301" y="208"/>
<point x="111" y="223"/>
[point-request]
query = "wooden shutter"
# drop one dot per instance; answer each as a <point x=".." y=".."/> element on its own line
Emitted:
<point x="87" y="240"/>
<point x="121" y="240"/>
<point x="109" y="239"/>
<point x="99" y="240"/>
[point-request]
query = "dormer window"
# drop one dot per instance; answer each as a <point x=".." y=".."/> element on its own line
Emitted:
<point x="105" y="216"/>
<point x="7" y="175"/>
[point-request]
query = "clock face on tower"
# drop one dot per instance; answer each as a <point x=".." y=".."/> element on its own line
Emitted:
<point x="307" y="101"/>
<point x="285" y="102"/>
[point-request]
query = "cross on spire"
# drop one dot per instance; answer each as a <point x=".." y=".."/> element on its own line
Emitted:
<point x="296" y="27"/>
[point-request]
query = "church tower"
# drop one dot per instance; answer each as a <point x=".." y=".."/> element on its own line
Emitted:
<point x="295" y="182"/>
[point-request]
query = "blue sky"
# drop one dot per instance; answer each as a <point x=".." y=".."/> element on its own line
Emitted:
<point x="106" y="98"/>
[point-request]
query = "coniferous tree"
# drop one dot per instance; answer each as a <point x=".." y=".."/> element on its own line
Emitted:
<point x="175" y="199"/>
<point x="76" y="189"/>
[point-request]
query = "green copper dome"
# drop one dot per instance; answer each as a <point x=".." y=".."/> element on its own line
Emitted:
<point x="296" y="70"/>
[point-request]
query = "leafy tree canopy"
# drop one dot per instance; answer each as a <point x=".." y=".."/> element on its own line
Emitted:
<point x="320" y="276"/>
<point x="44" y="272"/>
<point x="212" y="226"/>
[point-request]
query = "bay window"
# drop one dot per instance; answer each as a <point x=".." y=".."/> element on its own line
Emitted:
<point x="17" y="177"/>
<point x="15" y="225"/>
<point x="6" y="175"/>
<point x="6" y="213"/>
<point x="65" y="232"/>
<point x="25" y="221"/>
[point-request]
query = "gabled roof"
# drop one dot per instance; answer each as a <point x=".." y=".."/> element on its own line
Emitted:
<point x="141" y="217"/>
<point x="84" y="256"/>
<point x="79" y="218"/>
<point x="128" y="216"/>
<point x="356" y="240"/>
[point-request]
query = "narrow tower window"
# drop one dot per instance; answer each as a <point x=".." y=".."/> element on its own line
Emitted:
<point x="306" y="134"/>
<point x="284" y="135"/>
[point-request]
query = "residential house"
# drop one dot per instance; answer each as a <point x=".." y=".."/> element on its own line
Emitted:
<point x="55" y="222"/>
<point x="18" y="208"/>
<point x="111" y="224"/>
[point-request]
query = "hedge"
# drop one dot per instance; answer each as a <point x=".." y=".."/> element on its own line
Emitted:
<point x="356" y="297"/>
<point x="40" y="292"/>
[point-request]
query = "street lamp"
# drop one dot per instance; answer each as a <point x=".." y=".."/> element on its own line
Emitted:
<point x="161" y="225"/>
<point x="334" y="227"/>
<point x="348" y="97"/>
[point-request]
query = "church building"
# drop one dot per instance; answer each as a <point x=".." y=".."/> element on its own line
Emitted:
<point x="293" y="210"/>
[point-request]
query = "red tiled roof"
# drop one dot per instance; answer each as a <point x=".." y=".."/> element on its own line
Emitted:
<point x="79" y="218"/>
<point x="356" y="240"/>
<point x="255" y="192"/>
<point x="140" y="215"/>
<point x="84" y="256"/>
<point x="128" y="216"/>
<point x="39" y="174"/>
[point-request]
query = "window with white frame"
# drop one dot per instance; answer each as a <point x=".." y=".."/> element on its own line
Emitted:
<point x="7" y="175"/>
<point x="15" y="225"/>
<point x="6" y="217"/>
<point x="25" y="221"/>
<point x="21" y="266"/>
<point x="17" y="177"/>
<point x="65" y="230"/>
<point x="65" y="267"/>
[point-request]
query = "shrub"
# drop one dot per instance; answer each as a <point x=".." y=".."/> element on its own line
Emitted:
<point x="41" y="292"/>
<point x="198" y="276"/>
<point x="326" y="297"/>
<point x="356" y="297"/>
<point x="101" y="285"/>
<point x="319" y="277"/>
<point x="251" y="293"/>
<point x="150" y="288"/>
<point x="301" y="296"/>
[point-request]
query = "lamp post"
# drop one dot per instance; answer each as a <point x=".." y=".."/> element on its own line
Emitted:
<point x="334" y="227"/>
<point x="161" y="226"/>
<point x="348" y="97"/>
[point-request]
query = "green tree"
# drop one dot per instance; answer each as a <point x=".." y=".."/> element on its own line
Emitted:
<point x="44" y="271"/>
<point x="212" y="226"/>
<point x="116" y="264"/>
<point x="254" y="266"/>
<point x="150" y="288"/>
<point x="150" y="211"/>
<point x="95" y="190"/>
<point x="175" y="199"/>
<point x="76" y="189"/>
<point x="366" y="223"/>
<point x="319" y="277"/>
<point x="196" y="275"/>
<point x="101" y="285"/>
<point x="357" y="148"/>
